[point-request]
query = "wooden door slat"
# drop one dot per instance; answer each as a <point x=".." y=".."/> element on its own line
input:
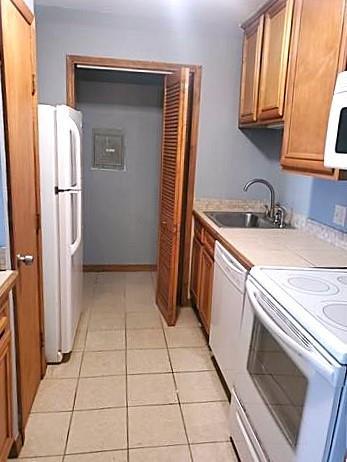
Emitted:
<point x="173" y="149"/>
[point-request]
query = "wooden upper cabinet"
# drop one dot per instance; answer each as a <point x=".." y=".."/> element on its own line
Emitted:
<point x="274" y="61"/>
<point x="318" y="52"/>
<point x="252" y="45"/>
<point x="265" y="64"/>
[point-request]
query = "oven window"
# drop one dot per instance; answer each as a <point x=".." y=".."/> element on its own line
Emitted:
<point x="280" y="383"/>
<point x="341" y="140"/>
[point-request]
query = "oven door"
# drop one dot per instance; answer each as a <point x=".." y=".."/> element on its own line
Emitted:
<point x="287" y="384"/>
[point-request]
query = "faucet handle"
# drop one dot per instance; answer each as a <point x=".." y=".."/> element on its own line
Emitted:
<point x="280" y="215"/>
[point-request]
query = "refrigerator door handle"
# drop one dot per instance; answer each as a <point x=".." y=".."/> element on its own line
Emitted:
<point x="74" y="246"/>
<point x="77" y="137"/>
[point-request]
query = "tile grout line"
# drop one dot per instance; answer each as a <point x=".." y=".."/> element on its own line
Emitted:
<point x="126" y="370"/>
<point x="91" y="308"/>
<point x="178" y="397"/>
<point x="80" y="368"/>
<point x="134" y="405"/>
<point x="79" y="371"/>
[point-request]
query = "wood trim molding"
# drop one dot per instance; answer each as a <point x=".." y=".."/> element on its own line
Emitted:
<point x="118" y="268"/>
<point x="38" y="198"/>
<point x="16" y="446"/>
<point x="74" y="60"/>
<point x="194" y="135"/>
<point x="265" y="7"/>
<point x="25" y="11"/>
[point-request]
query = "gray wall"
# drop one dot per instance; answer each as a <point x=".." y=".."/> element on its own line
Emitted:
<point x="227" y="157"/>
<point x="121" y="208"/>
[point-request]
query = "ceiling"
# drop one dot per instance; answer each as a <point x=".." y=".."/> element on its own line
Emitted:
<point x="201" y="10"/>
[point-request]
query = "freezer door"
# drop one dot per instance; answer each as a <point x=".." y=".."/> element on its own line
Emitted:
<point x="71" y="265"/>
<point x="69" y="134"/>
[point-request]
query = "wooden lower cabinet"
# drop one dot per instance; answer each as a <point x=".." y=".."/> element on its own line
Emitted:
<point x="6" y="409"/>
<point x="195" y="270"/>
<point x="202" y="268"/>
<point x="6" y="437"/>
<point x="206" y="283"/>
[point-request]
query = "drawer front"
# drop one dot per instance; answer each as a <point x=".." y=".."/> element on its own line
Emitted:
<point x="6" y="438"/>
<point x="209" y="243"/>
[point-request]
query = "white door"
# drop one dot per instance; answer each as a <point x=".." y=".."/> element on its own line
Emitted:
<point x="69" y="128"/>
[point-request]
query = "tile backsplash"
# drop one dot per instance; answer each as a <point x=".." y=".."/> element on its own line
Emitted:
<point x="322" y="231"/>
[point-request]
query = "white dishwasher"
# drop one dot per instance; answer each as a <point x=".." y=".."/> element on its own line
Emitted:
<point x="227" y="304"/>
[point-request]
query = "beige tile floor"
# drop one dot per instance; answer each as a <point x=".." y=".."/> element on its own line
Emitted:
<point x="134" y="389"/>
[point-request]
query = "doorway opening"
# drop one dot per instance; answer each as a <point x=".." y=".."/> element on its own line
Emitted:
<point x="122" y="121"/>
<point x="140" y="141"/>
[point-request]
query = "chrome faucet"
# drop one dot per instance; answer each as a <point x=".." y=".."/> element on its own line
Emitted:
<point x="270" y="211"/>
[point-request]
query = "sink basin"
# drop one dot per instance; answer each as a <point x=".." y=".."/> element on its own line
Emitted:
<point x="240" y="220"/>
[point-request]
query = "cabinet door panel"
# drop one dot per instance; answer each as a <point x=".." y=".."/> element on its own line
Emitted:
<point x="314" y="63"/>
<point x="206" y="285"/>
<point x="195" y="274"/>
<point x="273" y="76"/>
<point x="253" y="36"/>
<point x="5" y="397"/>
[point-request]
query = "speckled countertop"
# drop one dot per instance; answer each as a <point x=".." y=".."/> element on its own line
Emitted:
<point x="274" y="247"/>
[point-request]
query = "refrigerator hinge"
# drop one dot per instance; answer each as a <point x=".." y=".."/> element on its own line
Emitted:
<point x="33" y="84"/>
<point x="38" y="222"/>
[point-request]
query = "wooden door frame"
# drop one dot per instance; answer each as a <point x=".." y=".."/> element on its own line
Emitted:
<point x="29" y="17"/>
<point x="72" y="61"/>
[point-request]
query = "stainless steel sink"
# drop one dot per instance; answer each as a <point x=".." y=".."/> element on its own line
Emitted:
<point x="240" y="220"/>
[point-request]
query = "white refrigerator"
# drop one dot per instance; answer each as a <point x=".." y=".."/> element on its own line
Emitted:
<point x="60" y="133"/>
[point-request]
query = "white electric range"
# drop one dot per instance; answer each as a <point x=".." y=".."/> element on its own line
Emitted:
<point x="289" y="400"/>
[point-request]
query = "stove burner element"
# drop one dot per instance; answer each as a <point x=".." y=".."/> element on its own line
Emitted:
<point x="342" y="280"/>
<point x="336" y="312"/>
<point x="310" y="285"/>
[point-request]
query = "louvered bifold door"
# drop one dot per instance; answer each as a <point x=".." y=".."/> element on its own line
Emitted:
<point x="172" y="165"/>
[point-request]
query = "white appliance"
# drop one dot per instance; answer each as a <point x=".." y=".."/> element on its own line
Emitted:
<point x="335" y="155"/>
<point x="60" y="132"/>
<point x="289" y="402"/>
<point x="227" y="303"/>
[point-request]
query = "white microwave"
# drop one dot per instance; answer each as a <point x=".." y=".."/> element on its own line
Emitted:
<point x="335" y="154"/>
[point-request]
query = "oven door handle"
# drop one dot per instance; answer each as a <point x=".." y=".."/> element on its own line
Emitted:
<point x="318" y="362"/>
